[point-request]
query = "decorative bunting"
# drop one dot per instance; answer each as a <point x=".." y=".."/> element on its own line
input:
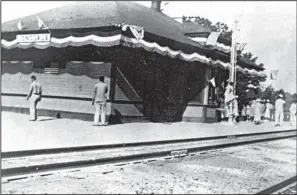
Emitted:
<point x="126" y="41"/>
<point x="137" y="31"/>
<point x="218" y="46"/>
<point x="54" y="68"/>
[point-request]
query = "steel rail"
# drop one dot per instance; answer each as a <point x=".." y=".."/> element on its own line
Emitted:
<point x="278" y="187"/>
<point x="22" y="153"/>
<point x="17" y="171"/>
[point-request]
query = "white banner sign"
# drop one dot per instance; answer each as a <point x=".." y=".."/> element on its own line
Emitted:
<point x="30" y="38"/>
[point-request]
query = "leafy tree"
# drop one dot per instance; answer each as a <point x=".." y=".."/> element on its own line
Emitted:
<point x="254" y="59"/>
<point x="261" y="64"/>
<point x="268" y="93"/>
<point x="241" y="80"/>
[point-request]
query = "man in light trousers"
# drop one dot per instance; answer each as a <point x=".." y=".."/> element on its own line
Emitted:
<point x="99" y="99"/>
<point x="293" y="113"/>
<point x="279" y="110"/>
<point x="35" y="92"/>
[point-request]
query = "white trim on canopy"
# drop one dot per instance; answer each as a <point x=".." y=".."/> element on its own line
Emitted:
<point x="126" y="41"/>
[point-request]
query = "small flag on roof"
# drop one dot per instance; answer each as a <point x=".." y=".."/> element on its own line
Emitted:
<point x="41" y="24"/>
<point x="19" y="25"/>
<point x="212" y="38"/>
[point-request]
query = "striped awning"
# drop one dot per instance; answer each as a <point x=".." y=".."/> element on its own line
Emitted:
<point x="121" y="39"/>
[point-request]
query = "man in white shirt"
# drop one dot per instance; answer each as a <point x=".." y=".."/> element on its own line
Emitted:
<point x="34" y="95"/>
<point x="293" y="114"/>
<point x="279" y="110"/>
<point x="99" y="99"/>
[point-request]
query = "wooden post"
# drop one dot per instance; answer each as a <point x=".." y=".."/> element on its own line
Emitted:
<point x="206" y="89"/>
<point x="114" y="64"/>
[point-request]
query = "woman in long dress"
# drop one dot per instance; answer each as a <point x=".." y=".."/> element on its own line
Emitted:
<point x="257" y="112"/>
<point x="252" y="114"/>
<point x="235" y="109"/>
<point x="269" y="107"/>
<point x="263" y="108"/>
<point x="243" y="113"/>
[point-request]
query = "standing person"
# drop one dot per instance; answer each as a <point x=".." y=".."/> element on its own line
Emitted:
<point x="35" y="92"/>
<point x="243" y="113"/>
<point x="99" y="99"/>
<point x="293" y="114"/>
<point x="229" y="100"/>
<point x="263" y="107"/>
<point x="253" y="105"/>
<point x="235" y="109"/>
<point x="257" y="112"/>
<point x="248" y="111"/>
<point x="223" y="110"/>
<point x="268" y="110"/>
<point x="279" y="110"/>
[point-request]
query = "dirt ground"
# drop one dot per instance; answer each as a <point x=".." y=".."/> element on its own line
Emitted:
<point x="239" y="170"/>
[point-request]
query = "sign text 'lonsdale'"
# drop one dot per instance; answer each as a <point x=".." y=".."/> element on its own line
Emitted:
<point x="31" y="38"/>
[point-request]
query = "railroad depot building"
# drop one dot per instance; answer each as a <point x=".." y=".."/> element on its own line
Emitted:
<point x="153" y="68"/>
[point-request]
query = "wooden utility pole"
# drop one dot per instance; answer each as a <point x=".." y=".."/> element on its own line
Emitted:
<point x="233" y="60"/>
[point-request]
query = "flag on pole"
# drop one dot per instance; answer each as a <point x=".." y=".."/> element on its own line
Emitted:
<point x="213" y="82"/>
<point x="212" y="38"/>
<point x="41" y="24"/>
<point x="273" y="74"/>
<point x="19" y="25"/>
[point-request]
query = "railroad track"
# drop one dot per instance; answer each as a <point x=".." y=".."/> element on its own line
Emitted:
<point x="286" y="187"/>
<point x="18" y="164"/>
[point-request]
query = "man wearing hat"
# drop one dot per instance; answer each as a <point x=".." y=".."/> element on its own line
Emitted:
<point x="34" y="95"/>
<point x="279" y="110"/>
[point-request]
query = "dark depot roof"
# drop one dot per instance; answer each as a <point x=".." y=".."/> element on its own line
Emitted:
<point x="104" y="13"/>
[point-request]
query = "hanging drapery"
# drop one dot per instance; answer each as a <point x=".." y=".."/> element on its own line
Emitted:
<point x="137" y="41"/>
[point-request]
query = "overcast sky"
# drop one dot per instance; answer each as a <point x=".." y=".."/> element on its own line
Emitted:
<point x="269" y="28"/>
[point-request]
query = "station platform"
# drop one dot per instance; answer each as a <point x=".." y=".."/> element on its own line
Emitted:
<point x="18" y="133"/>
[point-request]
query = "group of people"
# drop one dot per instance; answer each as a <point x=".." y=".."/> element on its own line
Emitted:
<point x="256" y="110"/>
<point x="98" y="100"/>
